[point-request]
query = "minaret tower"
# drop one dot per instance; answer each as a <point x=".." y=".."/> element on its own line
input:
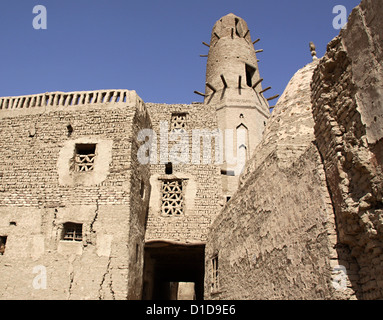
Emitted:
<point x="234" y="87"/>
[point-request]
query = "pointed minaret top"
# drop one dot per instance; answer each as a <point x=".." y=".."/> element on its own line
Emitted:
<point x="230" y="15"/>
<point x="232" y="73"/>
<point x="230" y="26"/>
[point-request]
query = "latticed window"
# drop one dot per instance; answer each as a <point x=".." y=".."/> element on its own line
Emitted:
<point x="178" y="121"/>
<point x="172" y="197"/>
<point x="72" y="231"/>
<point x="84" y="157"/>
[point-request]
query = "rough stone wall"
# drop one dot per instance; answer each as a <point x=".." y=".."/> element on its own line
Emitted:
<point x="347" y="104"/>
<point x="202" y="195"/>
<point x="275" y="238"/>
<point x="35" y="199"/>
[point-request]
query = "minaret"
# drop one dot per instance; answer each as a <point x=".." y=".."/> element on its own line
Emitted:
<point x="234" y="87"/>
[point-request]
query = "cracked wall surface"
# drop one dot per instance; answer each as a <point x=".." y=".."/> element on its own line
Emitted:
<point x="35" y="202"/>
<point x="309" y="203"/>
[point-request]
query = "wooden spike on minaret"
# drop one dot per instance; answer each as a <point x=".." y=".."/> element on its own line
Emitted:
<point x="200" y="93"/>
<point x="273" y="97"/>
<point x="257" y="83"/>
<point x="264" y="90"/>
<point x="211" y="87"/>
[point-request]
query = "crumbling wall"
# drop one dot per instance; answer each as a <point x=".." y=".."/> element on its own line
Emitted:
<point x="275" y="239"/>
<point x="39" y="193"/>
<point x="347" y="95"/>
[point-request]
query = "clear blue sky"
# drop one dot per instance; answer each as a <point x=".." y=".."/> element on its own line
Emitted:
<point x="151" y="46"/>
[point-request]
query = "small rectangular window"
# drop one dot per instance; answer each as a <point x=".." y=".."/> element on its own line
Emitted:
<point x="169" y="168"/>
<point x="3" y="241"/>
<point x="214" y="274"/>
<point x="72" y="231"/>
<point x="85" y="155"/>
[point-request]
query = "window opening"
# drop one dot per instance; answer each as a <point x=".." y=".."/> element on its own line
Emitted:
<point x="3" y="241"/>
<point x="84" y="157"/>
<point x="178" y="121"/>
<point x="72" y="231"/>
<point x="249" y="75"/>
<point x="169" y="168"/>
<point x="172" y="197"/>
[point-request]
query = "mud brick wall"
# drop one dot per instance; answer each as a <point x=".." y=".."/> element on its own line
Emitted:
<point x="275" y="238"/>
<point x="202" y="193"/>
<point x="38" y="194"/>
<point x="347" y="105"/>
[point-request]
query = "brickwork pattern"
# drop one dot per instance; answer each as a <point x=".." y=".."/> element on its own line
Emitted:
<point x="346" y="105"/>
<point x="34" y="205"/>
<point x="202" y="192"/>
<point x="275" y="237"/>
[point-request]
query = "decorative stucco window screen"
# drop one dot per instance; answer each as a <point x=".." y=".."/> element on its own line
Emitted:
<point x="178" y="121"/>
<point x="84" y="157"/>
<point x="172" y="198"/>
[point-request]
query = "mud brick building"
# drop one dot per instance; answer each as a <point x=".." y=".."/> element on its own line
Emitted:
<point x="104" y="196"/>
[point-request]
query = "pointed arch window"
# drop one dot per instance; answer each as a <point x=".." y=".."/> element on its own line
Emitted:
<point x="242" y="135"/>
<point x="242" y="143"/>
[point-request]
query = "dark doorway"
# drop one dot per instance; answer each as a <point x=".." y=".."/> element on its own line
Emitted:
<point x="167" y="265"/>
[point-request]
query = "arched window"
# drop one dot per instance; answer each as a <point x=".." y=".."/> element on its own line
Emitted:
<point x="242" y="135"/>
